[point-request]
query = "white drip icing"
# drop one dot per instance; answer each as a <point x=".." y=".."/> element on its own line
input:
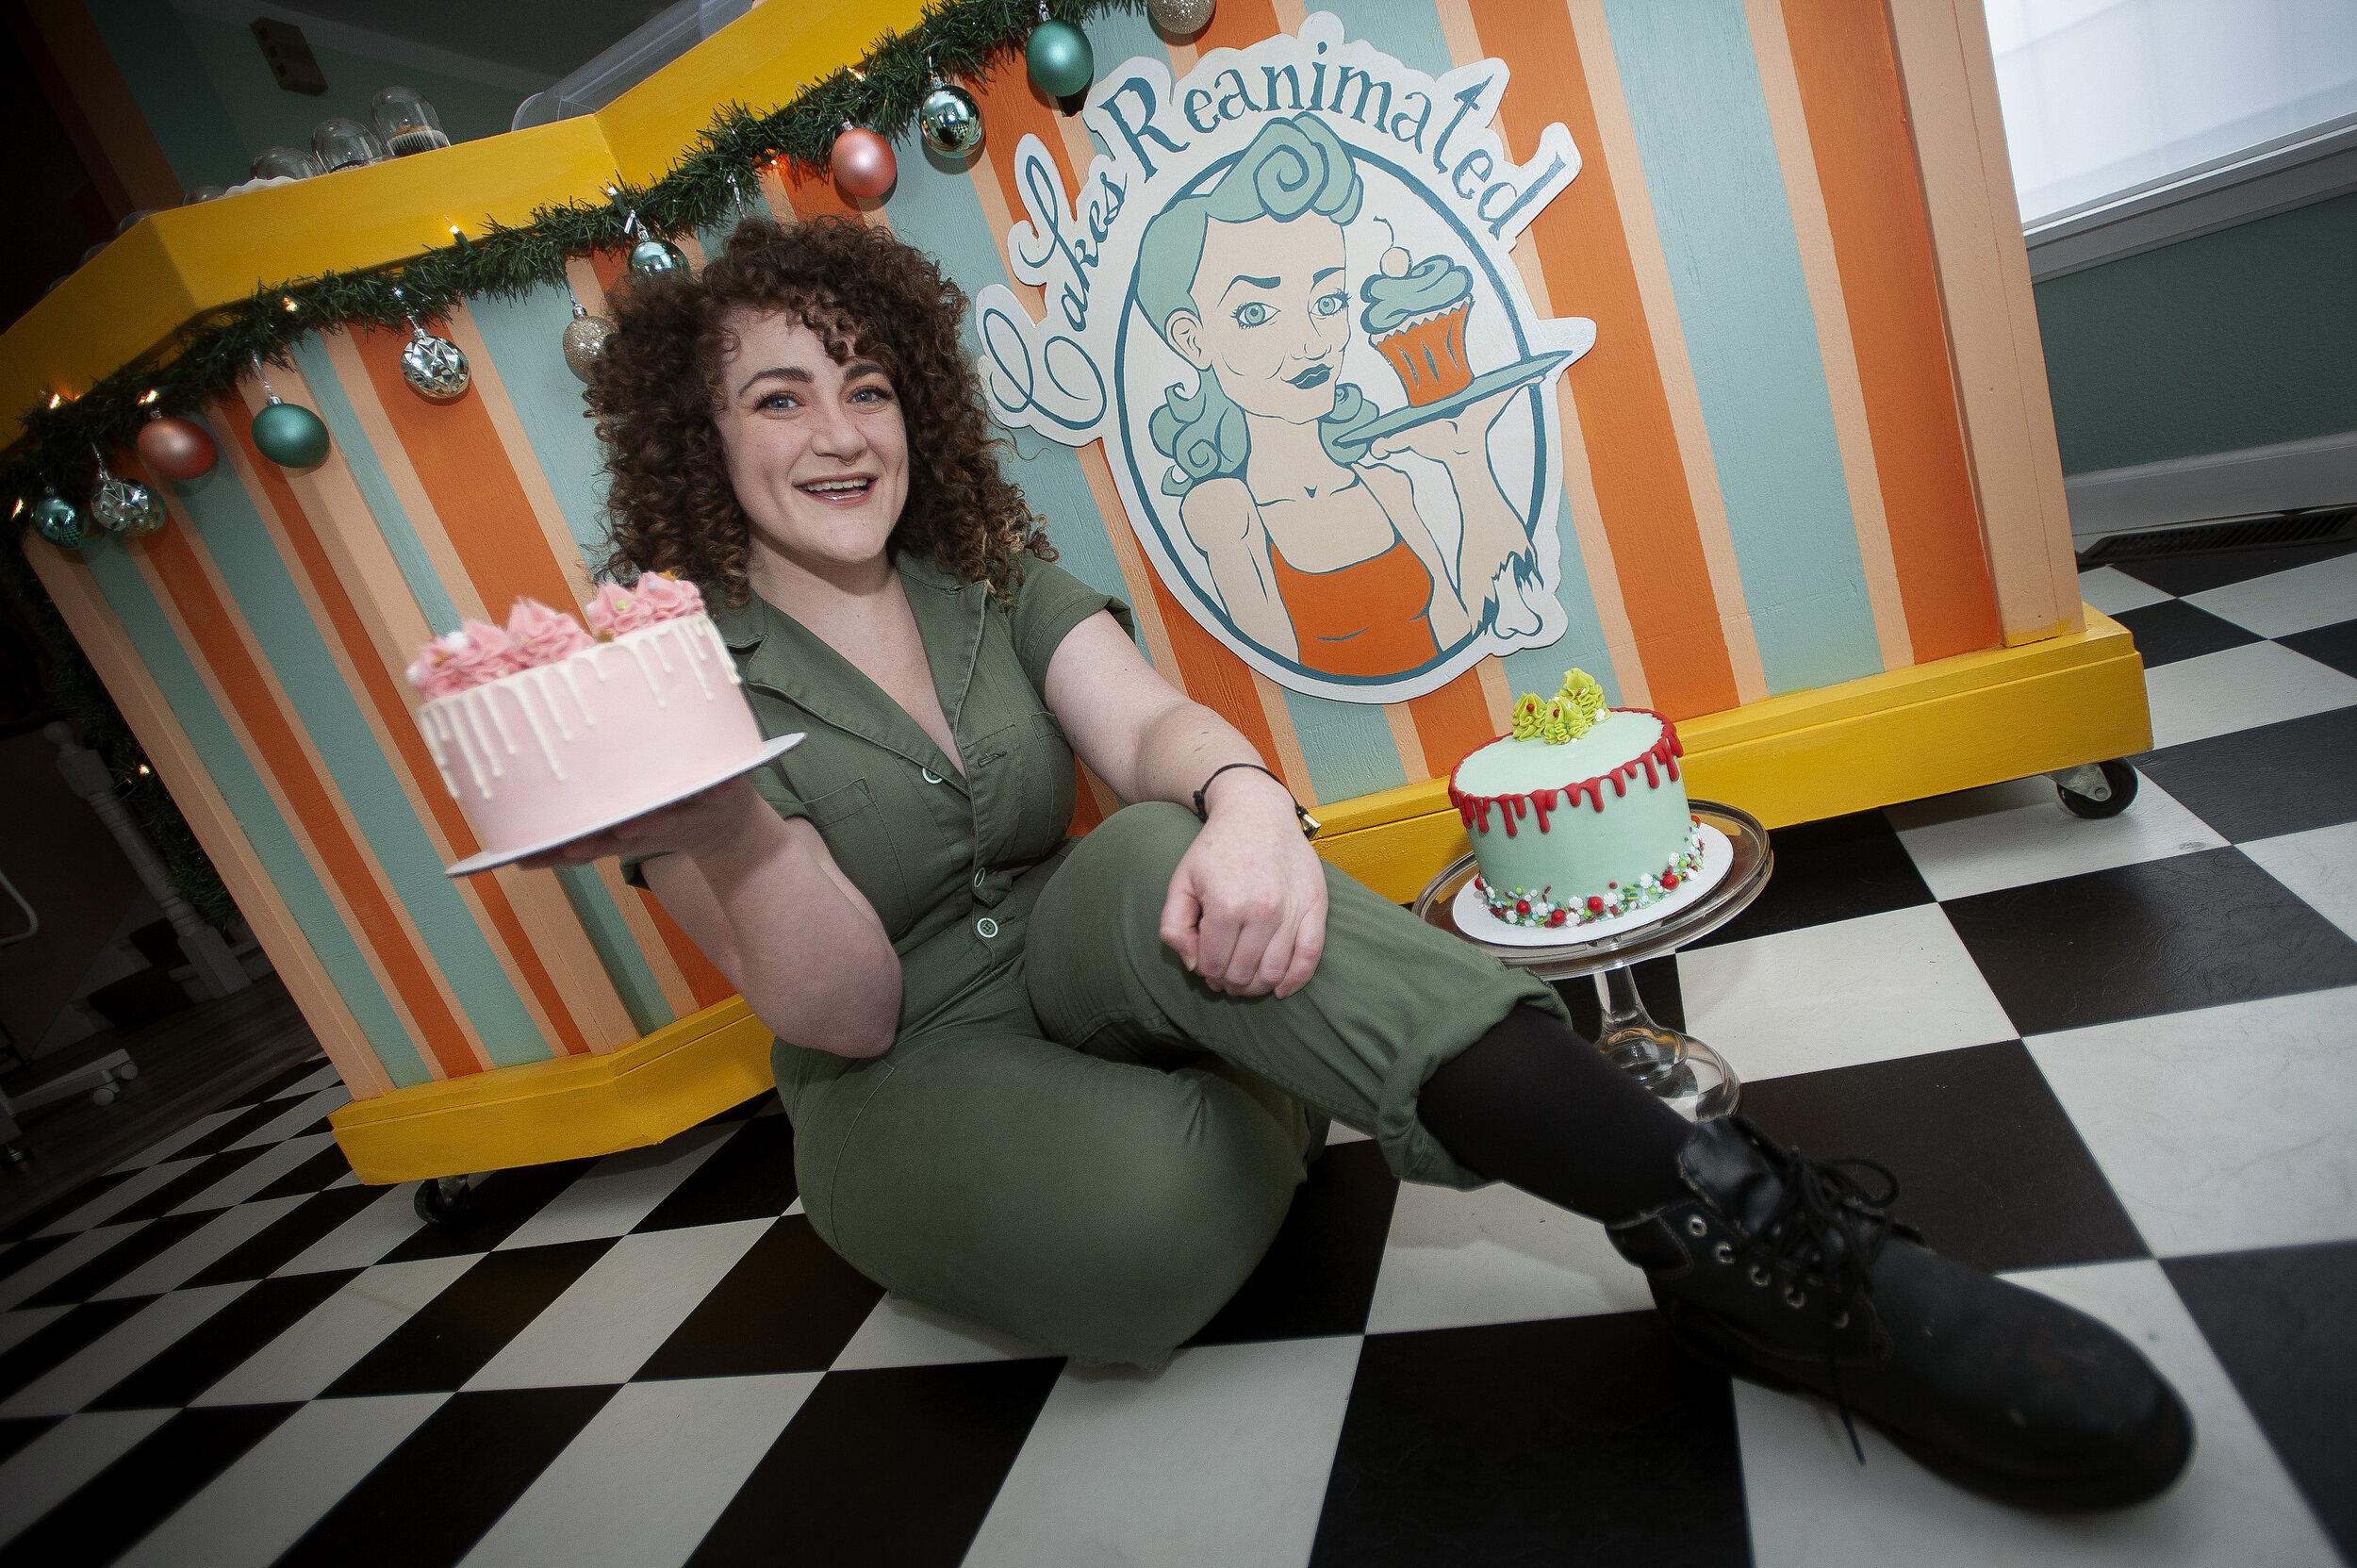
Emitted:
<point x="587" y="717"/>
<point x="466" y="750"/>
<point x="434" y="747"/>
<point x="467" y="702"/>
<point x="497" y="722"/>
<point x="564" y="731"/>
<point x="696" y="656"/>
<point x="541" y="736"/>
<point x="639" y="652"/>
<point x="654" y="642"/>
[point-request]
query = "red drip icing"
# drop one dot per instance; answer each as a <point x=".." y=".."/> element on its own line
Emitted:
<point x="1474" y="810"/>
<point x="1510" y="808"/>
<point x="1653" y="780"/>
<point x="1620" y="786"/>
<point x="1543" y="801"/>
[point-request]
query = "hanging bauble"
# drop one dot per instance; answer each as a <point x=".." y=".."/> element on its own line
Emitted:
<point x="862" y="162"/>
<point x="289" y="435"/>
<point x="124" y="505"/>
<point x="1182" y="18"/>
<point x="950" y="120"/>
<point x="1059" y="57"/>
<point x="584" y="340"/>
<point x="434" y="367"/>
<point x="176" y="448"/>
<point x="60" y="522"/>
<point x="652" y="257"/>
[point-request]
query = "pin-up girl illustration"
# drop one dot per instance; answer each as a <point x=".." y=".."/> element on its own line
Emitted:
<point x="1319" y="554"/>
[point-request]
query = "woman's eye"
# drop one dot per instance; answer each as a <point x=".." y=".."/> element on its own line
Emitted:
<point x="1328" y="303"/>
<point x="870" y="394"/>
<point x="1253" y="313"/>
<point x="776" y="400"/>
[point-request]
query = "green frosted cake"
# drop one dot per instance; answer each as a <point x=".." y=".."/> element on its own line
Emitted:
<point x="1579" y="814"/>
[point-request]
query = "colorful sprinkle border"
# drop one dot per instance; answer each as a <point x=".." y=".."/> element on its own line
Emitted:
<point x="1541" y="911"/>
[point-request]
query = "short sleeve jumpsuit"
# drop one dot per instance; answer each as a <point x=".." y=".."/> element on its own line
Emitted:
<point x="1072" y="1139"/>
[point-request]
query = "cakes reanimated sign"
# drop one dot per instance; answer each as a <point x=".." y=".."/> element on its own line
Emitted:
<point x="1283" y="299"/>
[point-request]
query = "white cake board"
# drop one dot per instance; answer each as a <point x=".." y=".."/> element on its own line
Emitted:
<point x="1474" y="918"/>
<point x="492" y="859"/>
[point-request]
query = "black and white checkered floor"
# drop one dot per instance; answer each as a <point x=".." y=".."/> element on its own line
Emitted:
<point x="2113" y="1059"/>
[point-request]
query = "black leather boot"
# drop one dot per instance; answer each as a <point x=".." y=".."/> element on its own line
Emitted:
<point x="1785" y="1271"/>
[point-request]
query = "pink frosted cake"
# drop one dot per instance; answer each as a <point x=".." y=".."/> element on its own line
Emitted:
<point x="544" y="733"/>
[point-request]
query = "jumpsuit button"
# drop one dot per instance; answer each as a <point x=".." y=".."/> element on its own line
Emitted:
<point x="979" y="876"/>
<point x="928" y="775"/>
<point x="986" y="928"/>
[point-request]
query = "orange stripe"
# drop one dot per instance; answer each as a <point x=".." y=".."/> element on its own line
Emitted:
<point x="406" y="738"/>
<point x="1086" y="813"/>
<point x="1237" y="24"/>
<point x="233" y="665"/>
<point x="1623" y="408"/>
<point x="1857" y="110"/>
<point x="708" y="983"/>
<point x="1452" y="722"/>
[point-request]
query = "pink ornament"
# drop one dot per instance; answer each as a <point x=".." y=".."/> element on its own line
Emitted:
<point x="863" y="162"/>
<point x="540" y="635"/>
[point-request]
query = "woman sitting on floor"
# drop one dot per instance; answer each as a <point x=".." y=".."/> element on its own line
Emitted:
<point x="1067" y="1087"/>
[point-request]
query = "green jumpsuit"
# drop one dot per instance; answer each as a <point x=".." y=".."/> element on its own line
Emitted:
<point x="1071" y="1138"/>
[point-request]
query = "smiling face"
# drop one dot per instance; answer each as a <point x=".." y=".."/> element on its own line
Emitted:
<point x="816" y="451"/>
<point x="1274" y="315"/>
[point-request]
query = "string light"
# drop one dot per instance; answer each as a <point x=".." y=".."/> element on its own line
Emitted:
<point x="287" y="300"/>
<point x="150" y="395"/>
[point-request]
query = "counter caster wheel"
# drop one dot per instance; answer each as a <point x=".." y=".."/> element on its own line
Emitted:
<point x="2097" y="789"/>
<point x="443" y="1200"/>
<point x="128" y="1071"/>
<point x="103" y="1095"/>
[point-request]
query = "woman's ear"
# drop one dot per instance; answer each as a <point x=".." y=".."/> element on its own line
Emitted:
<point x="1184" y="332"/>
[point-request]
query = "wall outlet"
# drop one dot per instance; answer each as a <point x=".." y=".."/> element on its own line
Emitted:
<point x="289" y="56"/>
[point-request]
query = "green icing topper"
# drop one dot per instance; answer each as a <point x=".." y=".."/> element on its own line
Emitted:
<point x="1570" y="714"/>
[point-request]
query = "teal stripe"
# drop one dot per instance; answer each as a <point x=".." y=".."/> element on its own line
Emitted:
<point x="376" y="490"/>
<point x="1582" y="645"/>
<point x="526" y="339"/>
<point x="617" y="948"/>
<point x="242" y="790"/>
<point x="290" y="642"/>
<point x="1718" y="195"/>
<point x="1408" y="32"/>
<point x="1347" y="746"/>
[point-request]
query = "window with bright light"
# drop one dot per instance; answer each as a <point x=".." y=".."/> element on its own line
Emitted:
<point x="2104" y="95"/>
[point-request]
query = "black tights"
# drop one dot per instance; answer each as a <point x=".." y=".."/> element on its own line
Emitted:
<point x="1534" y="1104"/>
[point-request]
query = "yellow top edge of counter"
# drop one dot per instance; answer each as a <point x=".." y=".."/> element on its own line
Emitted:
<point x="127" y="301"/>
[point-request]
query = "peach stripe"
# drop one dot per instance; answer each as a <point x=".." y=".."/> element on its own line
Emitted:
<point x="175" y="756"/>
<point x="587" y="289"/>
<point x="343" y="353"/>
<point x="1616" y="140"/>
<point x="1498" y="694"/>
<point x="1805" y="195"/>
<point x="1848" y="79"/>
<point x="1289" y="758"/>
<point x="1409" y="743"/>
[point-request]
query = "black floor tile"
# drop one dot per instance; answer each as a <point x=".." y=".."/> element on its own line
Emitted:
<point x="2191" y="574"/>
<point x="501" y="1204"/>
<point x="23" y="1363"/>
<point x="276" y="1088"/>
<point x="749" y="1177"/>
<point x="2276" y="779"/>
<point x="1988" y="1164"/>
<point x="2334" y="645"/>
<point x="432" y="1498"/>
<point x="789" y="1305"/>
<point x="1588" y="1440"/>
<point x="449" y="1339"/>
<point x="2284" y="1323"/>
<point x="139" y="1491"/>
<point x="237" y="1127"/>
<point x="952" y="1433"/>
<point x="137" y="1246"/>
<point x="1837" y="869"/>
<point x="1317" y="1277"/>
<point x="2174" y="629"/>
<point x="220" y="1344"/>
<point x="286" y="1239"/>
<point x="328" y="1166"/>
<point x="2191" y="930"/>
<point x="18" y="1431"/>
<point x="199" y="1175"/>
<point x="29" y="1252"/>
<point x="58" y="1208"/>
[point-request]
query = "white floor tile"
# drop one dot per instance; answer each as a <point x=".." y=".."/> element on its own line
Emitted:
<point x="256" y="1173"/>
<point x="176" y="1264"/>
<point x="621" y="1309"/>
<point x="601" y="1503"/>
<point x="1812" y="1506"/>
<point x="52" y="1467"/>
<point x="1839" y="994"/>
<point x="2282" y="603"/>
<point x="2239" y="688"/>
<point x="364" y="1238"/>
<point x="2320" y="866"/>
<point x="1979" y="840"/>
<point x="121" y="1351"/>
<point x="1220" y="1458"/>
<point x="619" y="1190"/>
<point x="119" y="1197"/>
<point x="165" y="1148"/>
<point x="2114" y="592"/>
<point x="282" y="1486"/>
<point x="1499" y="1255"/>
<point x="60" y="1260"/>
<point x="902" y="1333"/>
<point x="16" y="1327"/>
<point x="335" y="1334"/>
<point x="299" y="1116"/>
<point x="2225" y="1128"/>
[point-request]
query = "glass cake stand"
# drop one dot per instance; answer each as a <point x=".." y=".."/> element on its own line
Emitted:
<point x="1688" y="1075"/>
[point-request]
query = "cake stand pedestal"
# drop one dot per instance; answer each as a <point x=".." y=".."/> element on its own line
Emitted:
<point x="1688" y="1076"/>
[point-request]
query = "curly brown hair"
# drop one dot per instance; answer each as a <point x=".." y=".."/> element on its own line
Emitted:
<point x="670" y="506"/>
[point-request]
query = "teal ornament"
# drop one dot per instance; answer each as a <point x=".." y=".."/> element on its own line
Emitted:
<point x="289" y="435"/>
<point x="652" y="257"/>
<point x="60" y="521"/>
<point x="1059" y="58"/>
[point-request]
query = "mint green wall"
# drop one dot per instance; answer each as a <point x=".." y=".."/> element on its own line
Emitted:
<point x="151" y="49"/>
<point x="2238" y="338"/>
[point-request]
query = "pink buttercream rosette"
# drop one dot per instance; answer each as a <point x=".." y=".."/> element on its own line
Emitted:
<point x="656" y="596"/>
<point x="476" y="653"/>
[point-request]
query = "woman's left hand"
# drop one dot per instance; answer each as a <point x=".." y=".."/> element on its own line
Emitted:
<point x="1451" y="440"/>
<point x="1246" y="909"/>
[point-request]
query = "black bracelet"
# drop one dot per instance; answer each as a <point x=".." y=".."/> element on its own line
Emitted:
<point x="1309" y="824"/>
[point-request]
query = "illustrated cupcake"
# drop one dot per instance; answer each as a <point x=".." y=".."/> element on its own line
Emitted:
<point x="1416" y="315"/>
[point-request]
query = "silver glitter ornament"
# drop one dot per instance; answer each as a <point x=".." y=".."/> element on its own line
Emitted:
<point x="124" y="505"/>
<point x="950" y="120"/>
<point x="1184" y="18"/>
<point x="584" y="340"/>
<point x="434" y="367"/>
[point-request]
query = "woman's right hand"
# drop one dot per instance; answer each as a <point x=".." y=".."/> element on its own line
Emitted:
<point x="701" y="825"/>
